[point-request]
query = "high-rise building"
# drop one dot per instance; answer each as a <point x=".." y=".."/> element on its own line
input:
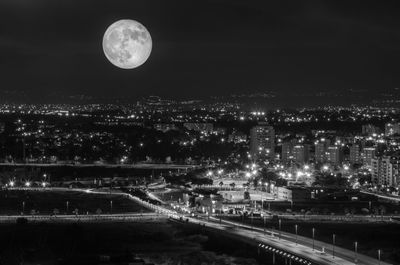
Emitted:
<point x="395" y="161"/>
<point x="355" y="154"/>
<point x="287" y="149"/>
<point x="320" y="150"/>
<point x="262" y="141"/>
<point x="368" y="154"/>
<point x="335" y="155"/>
<point x="392" y="128"/>
<point x="301" y="153"/>
<point x="383" y="171"/>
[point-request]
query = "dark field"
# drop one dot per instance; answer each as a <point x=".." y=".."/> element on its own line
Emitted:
<point x="44" y="202"/>
<point x="83" y="244"/>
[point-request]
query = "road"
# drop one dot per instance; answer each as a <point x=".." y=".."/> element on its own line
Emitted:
<point x="287" y="243"/>
<point x="290" y="243"/>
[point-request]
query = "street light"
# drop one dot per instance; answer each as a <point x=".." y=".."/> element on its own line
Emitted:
<point x="23" y="207"/>
<point x="355" y="252"/>
<point x="67" y="204"/>
<point x="111" y="207"/>
<point x="264" y="223"/>
<point x="252" y="220"/>
<point x="313" y="236"/>
<point x="12" y="183"/>
<point x="296" y="233"/>
<point x="333" y="245"/>
<point x="280" y="228"/>
<point x="379" y="256"/>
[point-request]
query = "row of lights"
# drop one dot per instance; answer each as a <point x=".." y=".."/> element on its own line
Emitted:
<point x="27" y="184"/>
<point x="284" y="254"/>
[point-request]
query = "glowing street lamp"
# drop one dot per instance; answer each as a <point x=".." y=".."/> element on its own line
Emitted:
<point x="355" y="251"/>
<point x="280" y="228"/>
<point x="333" y="245"/>
<point x="12" y="183"/>
<point x="313" y="236"/>
<point x="27" y="184"/>
<point x="379" y="256"/>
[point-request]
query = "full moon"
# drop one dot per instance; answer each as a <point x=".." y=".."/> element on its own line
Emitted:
<point x="127" y="44"/>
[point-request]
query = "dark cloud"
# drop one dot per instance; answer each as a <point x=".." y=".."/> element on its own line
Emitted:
<point x="201" y="47"/>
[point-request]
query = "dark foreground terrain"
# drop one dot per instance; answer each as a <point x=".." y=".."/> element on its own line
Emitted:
<point x="46" y="202"/>
<point x="118" y="243"/>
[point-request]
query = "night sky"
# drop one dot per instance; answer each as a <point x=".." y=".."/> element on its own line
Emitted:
<point x="50" y="48"/>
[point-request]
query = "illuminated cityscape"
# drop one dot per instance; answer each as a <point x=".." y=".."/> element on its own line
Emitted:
<point x="153" y="132"/>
